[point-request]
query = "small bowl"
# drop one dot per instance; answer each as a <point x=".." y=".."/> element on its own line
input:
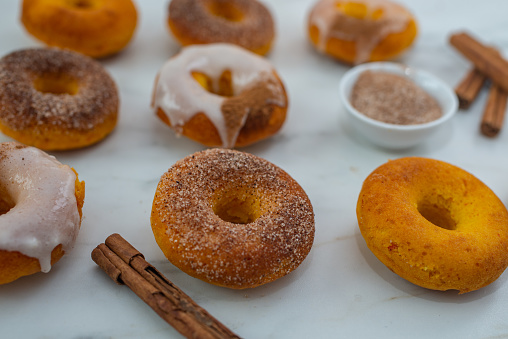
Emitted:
<point x="392" y="135"/>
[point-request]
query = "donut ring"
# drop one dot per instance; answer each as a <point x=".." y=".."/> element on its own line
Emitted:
<point x="246" y="23"/>
<point x="56" y="100"/>
<point x="40" y="210"/>
<point x="220" y="95"/>
<point x="362" y="30"/>
<point x="232" y="219"/>
<point x="95" y="28"/>
<point x="434" y="224"/>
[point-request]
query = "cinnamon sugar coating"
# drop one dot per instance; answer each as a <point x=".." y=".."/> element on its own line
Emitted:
<point x="192" y="22"/>
<point x="273" y="241"/>
<point x="38" y="118"/>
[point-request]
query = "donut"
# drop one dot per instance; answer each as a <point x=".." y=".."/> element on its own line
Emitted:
<point x="95" y="28"/>
<point x="232" y="219"/>
<point x="220" y="95"/>
<point x="434" y="224"/>
<point x="40" y="210"/>
<point x="362" y="30"/>
<point x="55" y="99"/>
<point x="246" y="23"/>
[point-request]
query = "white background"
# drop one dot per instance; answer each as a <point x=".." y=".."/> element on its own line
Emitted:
<point x="341" y="289"/>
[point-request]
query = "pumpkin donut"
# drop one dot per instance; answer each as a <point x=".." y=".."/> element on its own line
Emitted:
<point x="246" y="23"/>
<point x="232" y="219"/>
<point x="55" y="99"/>
<point x="220" y="95"/>
<point x="361" y="30"/>
<point x="40" y="210"/>
<point x="96" y="28"/>
<point x="434" y="224"/>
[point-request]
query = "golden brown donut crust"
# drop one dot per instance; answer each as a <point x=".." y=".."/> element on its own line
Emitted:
<point x="96" y="28"/>
<point x="193" y="193"/>
<point x="14" y="265"/>
<point x="434" y="224"/>
<point x="52" y="121"/>
<point x="193" y="22"/>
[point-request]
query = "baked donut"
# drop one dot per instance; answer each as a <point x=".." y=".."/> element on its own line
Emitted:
<point x="361" y="30"/>
<point x="232" y="219"/>
<point x="434" y="224"/>
<point x="40" y="210"/>
<point x="55" y="99"/>
<point x="96" y="28"/>
<point x="246" y="23"/>
<point x="220" y="95"/>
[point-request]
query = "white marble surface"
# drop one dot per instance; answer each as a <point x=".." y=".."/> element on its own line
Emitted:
<point x="341" y="290"/>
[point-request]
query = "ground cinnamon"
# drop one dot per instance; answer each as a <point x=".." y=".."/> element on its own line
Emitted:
<point x="493" y="115"/>
<point x="125" y="265"/>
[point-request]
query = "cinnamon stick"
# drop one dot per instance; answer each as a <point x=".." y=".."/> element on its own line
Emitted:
<point x="126" y="265"/>
<point x="490" y="64"/>
<point x="493" y="115"/>
<point x="468" y="88"/>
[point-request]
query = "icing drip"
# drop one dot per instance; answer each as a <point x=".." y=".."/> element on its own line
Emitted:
<point x="181" y="97"/>
<point x="381" y="18"/>
<point x="45" y="212"/>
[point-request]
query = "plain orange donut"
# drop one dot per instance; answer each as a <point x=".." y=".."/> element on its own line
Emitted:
<point x="96" y="28"/>
<point x="434" y="224"/>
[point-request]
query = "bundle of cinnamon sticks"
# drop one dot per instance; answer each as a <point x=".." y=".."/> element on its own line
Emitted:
<point x="488" y="64"/>
<point x="125" y="265"/>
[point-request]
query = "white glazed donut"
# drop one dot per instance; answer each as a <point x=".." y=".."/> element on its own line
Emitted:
<point x="220" y="95"/>
<point x="40" y="206"/>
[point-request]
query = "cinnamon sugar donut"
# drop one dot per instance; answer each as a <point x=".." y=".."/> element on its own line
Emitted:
<point x="56" y="100"/>
<point x="96" y="28"/>
<point x="246" y="23"/>
<point x="434" y="224"/>
<point x="220" y="95"/>
<point x="40" y="210"/>
<point x="232" y="219"/>
<point x="361" y="30"/>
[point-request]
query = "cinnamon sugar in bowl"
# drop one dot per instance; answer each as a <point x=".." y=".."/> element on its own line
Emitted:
<point x="400" y="110"/>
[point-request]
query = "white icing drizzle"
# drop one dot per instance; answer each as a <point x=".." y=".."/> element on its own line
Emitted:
<point x="45" y="212"/>
<point x="332" y="22"/>
<point x="180" y="96"/>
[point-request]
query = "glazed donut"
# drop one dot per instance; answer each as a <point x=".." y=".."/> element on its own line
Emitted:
<point x="40" y="210"/>
<point x="434" y="224"/>
<point x="56" y="100"/>
<point x="232" y="219"/>
<point x="362" y="30"/>
<point x="220" y="95"/>
<point x="246" y="23"/>
<point x="96" y="28"/>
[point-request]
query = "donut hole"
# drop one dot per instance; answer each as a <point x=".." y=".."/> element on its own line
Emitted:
<point x="82" y="4"/>
<point x="237" y="206"/>
<point x="6" y="201"/>
<point x="438" y="214"/>
<point x="223" y="86"/>
<point x="359" y="11"/>
<point x="56" y="84"/>
<point x="225" y="10"/>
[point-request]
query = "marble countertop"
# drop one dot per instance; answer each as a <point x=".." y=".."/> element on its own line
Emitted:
<point x="341" y="289"/>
